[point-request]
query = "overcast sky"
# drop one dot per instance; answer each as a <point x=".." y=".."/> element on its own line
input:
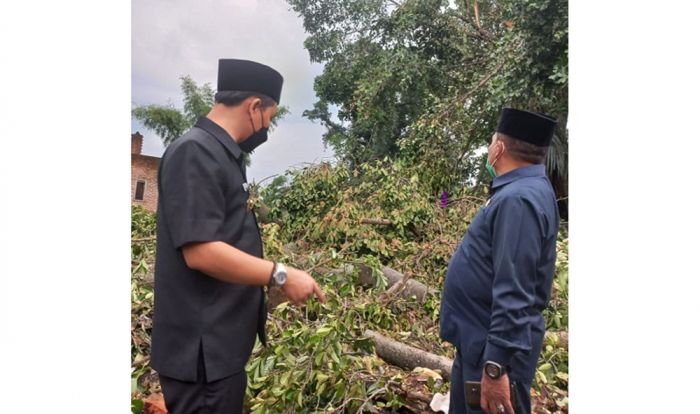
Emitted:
<point x="171" y="38"/>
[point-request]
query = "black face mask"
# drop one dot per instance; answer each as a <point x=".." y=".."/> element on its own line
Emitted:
<point x="256" y="139"/>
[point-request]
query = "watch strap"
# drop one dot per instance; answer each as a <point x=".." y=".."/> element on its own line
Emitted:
<point x="272" y="275"/>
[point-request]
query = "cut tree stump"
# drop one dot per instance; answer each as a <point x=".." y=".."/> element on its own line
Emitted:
<point x="408" y="357"/>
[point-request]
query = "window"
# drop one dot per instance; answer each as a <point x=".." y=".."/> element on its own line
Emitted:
<point x="140" y="188"/>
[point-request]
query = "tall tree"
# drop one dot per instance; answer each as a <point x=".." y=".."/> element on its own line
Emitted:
<point x="424" y="80"/>
<point x="168" y="122"/>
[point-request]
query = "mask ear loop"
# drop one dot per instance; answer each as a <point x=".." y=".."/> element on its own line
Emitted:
<point x="262" y="121"/>
<point x="253" y="123"/>
<point x="493" y="164"/>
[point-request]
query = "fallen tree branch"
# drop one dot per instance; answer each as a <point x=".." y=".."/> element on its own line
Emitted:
<point x="389" y="294"/>
<point x="144" y="239"/>
<point x="408" y="357"/>
<point x="417" y="288"/>
<point x="380" y="222"/>
<point x="409" y="288"/>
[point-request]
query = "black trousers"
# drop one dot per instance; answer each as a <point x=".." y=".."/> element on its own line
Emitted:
<point x="224" y="396"/>
<point x="458" y="398"/>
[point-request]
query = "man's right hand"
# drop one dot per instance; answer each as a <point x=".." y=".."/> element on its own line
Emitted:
<point x="300" y="286"/>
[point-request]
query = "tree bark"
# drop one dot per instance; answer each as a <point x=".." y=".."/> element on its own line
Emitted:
<point x="412" y="287"/>
<point x="408" y="357"/>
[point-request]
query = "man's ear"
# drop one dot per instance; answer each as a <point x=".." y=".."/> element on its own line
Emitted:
<point x="255" y="104"/>
<point x="503" y="145"/>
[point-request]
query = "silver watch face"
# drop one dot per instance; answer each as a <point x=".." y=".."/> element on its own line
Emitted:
<point x="493" y="370"/>
<point x="281" y="275"/>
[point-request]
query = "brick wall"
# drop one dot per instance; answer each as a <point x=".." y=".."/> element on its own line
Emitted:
<point x="136" y="143"/>
<point x="144" y="168"/>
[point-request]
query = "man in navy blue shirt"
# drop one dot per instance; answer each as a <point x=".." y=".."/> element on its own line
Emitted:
<point x="500" y="277"/>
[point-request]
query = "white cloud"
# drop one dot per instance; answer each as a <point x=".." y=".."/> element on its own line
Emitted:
<point x="171" y="38"/>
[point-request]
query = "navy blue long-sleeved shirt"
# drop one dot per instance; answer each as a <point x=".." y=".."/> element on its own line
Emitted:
<point x="499" y="278"/>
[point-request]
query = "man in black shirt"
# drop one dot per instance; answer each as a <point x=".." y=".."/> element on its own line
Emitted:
<point x="209" y="296"/>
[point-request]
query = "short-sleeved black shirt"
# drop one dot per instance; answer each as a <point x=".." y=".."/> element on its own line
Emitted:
<point x="202" y="198"/>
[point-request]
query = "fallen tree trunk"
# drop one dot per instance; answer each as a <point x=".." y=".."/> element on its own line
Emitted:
<point x="410" y="288"/>
<point x="366" y="278"/>
<point x="408" y="357"/>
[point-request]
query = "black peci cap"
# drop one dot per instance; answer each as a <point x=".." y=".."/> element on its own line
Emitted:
<point x="535" y="128"/>
<point x="248" y="76"/>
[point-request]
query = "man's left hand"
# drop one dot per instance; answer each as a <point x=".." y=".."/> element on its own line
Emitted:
<point x="495" y="395"/>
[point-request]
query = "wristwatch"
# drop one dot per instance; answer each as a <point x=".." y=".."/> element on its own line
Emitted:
<point x="494" y="370"/>
<point x="279" y="275"/>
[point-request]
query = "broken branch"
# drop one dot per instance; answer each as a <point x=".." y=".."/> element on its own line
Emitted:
<point x="408" y="357"/>
<point x="381" y="222"/>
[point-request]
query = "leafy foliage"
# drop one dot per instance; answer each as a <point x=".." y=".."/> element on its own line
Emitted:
<point x="424" y="80"/>
<point x="318" y="359"/>
<point x="143" y="231"/>
<point x="170" y="123"/>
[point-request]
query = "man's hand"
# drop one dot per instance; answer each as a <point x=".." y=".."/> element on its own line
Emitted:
<point x="494" y="394"/>
<point x="301" y="286"/>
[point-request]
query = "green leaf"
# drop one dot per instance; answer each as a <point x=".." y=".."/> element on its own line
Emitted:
<point x="136" y="406"/>
<point x="323" y="331"/>
<point x="320" y="389"/>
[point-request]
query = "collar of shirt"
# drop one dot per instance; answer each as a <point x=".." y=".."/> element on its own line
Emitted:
<point x="536" y="170"/>
<point x="220" y="134"/>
